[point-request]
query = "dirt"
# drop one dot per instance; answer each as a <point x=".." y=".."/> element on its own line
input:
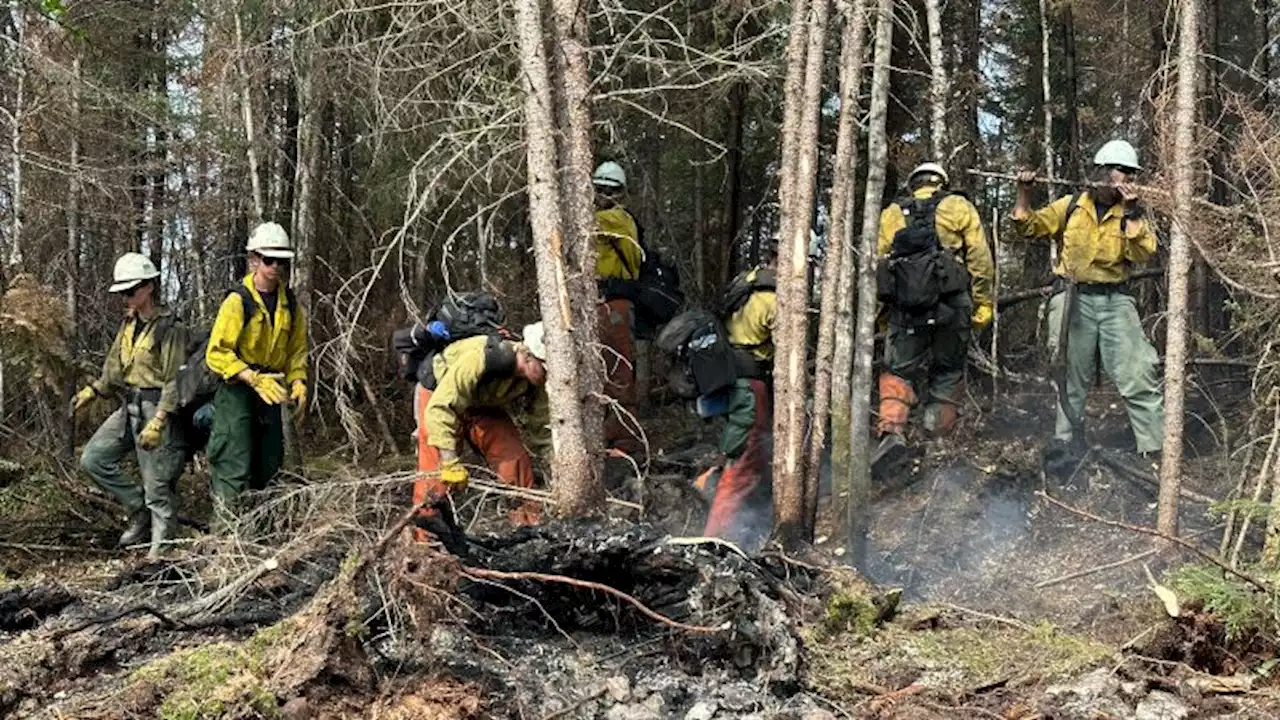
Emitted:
<point x="344" y="627"/>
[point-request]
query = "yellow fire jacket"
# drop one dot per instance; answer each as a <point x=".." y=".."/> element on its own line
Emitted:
<point x="959" y="230"/>
<point x="134" y="361"/>
<point x="268" y="343"/>
<point x="469" y="377"/>
<point x="616" y="227"/>
<point x="751" y="327"/>
<point x="1094" y="250"/>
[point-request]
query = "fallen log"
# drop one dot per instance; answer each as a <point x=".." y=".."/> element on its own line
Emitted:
<point x="23" y="608"/>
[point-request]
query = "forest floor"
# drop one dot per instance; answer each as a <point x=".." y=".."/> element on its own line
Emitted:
<point x="984" y="599"/>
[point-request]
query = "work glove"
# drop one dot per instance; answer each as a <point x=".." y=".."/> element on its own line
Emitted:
<point x="268" y="387"/>
<point x="454" y="474"/>
<point x="151" y="435"/>
<point x="298" y="396"/>
<point x="84" y="397"/>
<point x="982" y="316"/>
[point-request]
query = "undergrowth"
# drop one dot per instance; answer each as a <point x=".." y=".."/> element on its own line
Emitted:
<point x="1244" y="610"/>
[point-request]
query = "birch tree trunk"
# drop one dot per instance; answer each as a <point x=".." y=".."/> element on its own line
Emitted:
<point x="1046" y="104"/>
<point x="939" y="89"/>
<point x="834" y="360"/>
<point x="565" y="261"/>
<point x="790" y="488"/>
<point x="73" y="246"/>
<point x="1175" y="378"/>
<point x="246" y="116"/>
<point x="16" y="113"/>
<point x="864" y="339"/>
<point x="307" y="169"/>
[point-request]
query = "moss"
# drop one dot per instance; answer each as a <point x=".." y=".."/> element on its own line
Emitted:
<point x="214" y="680"/>
<point x="849" y="612"/>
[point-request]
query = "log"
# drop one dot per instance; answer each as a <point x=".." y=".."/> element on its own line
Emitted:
<point x="23" y="608"/>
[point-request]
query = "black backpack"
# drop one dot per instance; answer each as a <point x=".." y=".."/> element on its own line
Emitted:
<point x="743" y="287"/>
<point x="458" y="317"/>
<point x="919" y="273"/>
<point x="705" y="360"/>
<point x="197" y="384"/>
<point x="654" y="288"/>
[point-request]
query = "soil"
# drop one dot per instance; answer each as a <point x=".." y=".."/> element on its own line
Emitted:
<point x="308" y="613"/>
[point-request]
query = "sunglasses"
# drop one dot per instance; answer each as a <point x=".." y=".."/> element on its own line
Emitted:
<point x="1127" y="172"/>
<point x="271" y="261"/>
<point x="133" y="290"/>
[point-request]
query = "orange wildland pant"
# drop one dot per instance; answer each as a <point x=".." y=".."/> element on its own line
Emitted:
<point x="896" y="399"/>
<point x="491" y="432"/>
<point x="614" y="329"/>
<point x="743" y="487"/>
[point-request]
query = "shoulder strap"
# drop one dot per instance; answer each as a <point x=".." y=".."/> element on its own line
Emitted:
<point x="249" y="306"/>
<point x="1062" y="226"/>
<point x="617" y="250"/>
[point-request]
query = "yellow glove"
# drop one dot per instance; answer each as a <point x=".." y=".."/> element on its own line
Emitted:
<point x="298" y="396"/>
<point x="454" y="474"/>
<point x="268" y="387"/>
<point x="982" y="316"/>
<point x="84" y="397"/>
<point x="151" y="435"/>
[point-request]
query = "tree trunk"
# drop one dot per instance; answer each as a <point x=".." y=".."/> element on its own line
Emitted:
<point x="16" y="113"/>
<point x="1075" y="161"/>
<point x="257" y="208"/>
<point x="307" y="169"/>
<point x="1046" y="97"/>
<point x="834" y="360"/>
<point x="864" y="340"/>
<point x="562" y="247"/>
<point x="938" y="86"/>
<point x="1179" y="264"/>
<point x="790" y="487"/>
<point x="731" y="212"/>
<point x="73" y="248"/>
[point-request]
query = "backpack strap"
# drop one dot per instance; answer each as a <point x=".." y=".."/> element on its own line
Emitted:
<point x="1061" y="232"/>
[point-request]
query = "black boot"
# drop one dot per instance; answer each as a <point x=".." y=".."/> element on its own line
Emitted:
<point x="139" y="529"/>
<point x="891" y="451"/>
<point x="1061" y="457"/>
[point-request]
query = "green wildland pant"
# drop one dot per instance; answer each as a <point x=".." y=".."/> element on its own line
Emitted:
<point x="160" y="468"/>
<point x="246" y="445"/>
<point x="1107" y="324"/>
<point x="932" y="354"/>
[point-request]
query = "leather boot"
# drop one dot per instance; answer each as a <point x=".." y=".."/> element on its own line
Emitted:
<point x="161" y="532"/>
<point x="139" y="525"/>
<point x="891" y="451"/>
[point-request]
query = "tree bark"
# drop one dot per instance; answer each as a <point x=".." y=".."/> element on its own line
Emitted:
<point x="1075" y="159"/>
<point x="864" y="340"/>
<point x="790" y="486"/>
<point x="565" y="258"/>
<point x="308" y="152"/>
<point x="834" y="361"/>
<point x="73" y="246"/>
<point x="257" y="208"/>
<point x="17" y="114"/>
<point x="938" y="87"/>
<point x="1046" y="97"/>
<point x="1179" y="264"/>
<point x="731" y="212"/>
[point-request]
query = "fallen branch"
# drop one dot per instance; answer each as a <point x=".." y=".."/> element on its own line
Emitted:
<point x="987" y="616"/>
<point x="1145" y="477"/>
<point x="1156" y="533"/>
<point x="1109" y="566"/>
<point x="476" y="573"/>
<point x="30" y="548"/>
<point x="539" y="495"/>
<point x="135" y="610"/>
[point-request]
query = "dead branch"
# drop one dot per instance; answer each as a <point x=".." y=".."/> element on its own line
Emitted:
<point x="1109" y="566"/>
<point x="1261" y="586"/>
<point x="476" y="573"/>
<point x="1151" y="480"/>
<point x="30" y="548"/>
<point x="987" y="616"/>
<point x="165" y="620"/>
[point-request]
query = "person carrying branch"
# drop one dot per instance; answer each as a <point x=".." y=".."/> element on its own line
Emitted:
<point x="618" y="257"/>
<point x="935" y="283"/>
<point x="258" y="347"/>
<point x="142" y="367"/>
<point x="479" y="383"/>
<point x="1102" y="233"/>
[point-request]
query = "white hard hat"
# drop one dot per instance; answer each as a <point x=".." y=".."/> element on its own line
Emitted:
<point x="609" y="175"/>
<point x="534" y="339"/>
<point x="132" y="269"/>
<point x="270" y="240"/>
<point x="931" y="168"/>
<point x="1117" y="152"/>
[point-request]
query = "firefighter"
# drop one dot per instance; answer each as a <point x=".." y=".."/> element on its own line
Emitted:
<point x="1104" y="231"/>
<point x="936" y="277"/>
<point x="618" y="257"/>
<point x="480" y="383"/>
<point x="142" y="366"/>
<point x="258" y="346"/>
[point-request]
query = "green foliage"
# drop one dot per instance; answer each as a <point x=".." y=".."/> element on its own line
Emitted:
<point x="849" y="611"/>
<point x="1242" y="507"/>
<point x="1242" y="609"/>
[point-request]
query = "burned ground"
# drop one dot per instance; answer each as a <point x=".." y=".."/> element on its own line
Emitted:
<point x="313" y="610"/>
